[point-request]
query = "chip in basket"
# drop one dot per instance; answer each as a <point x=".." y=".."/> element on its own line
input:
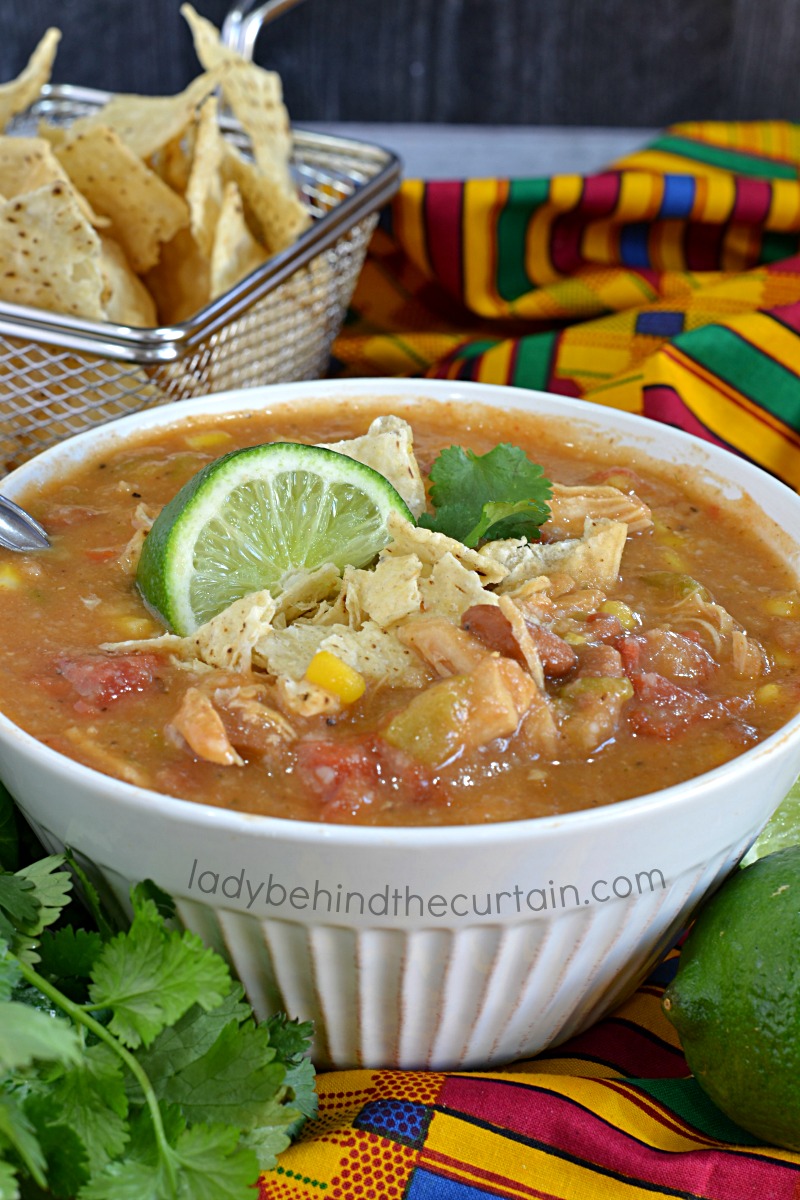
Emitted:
<point x="141" y="213"/>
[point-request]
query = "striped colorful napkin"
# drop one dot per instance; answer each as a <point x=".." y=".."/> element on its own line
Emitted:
<point x="669" y="286"/>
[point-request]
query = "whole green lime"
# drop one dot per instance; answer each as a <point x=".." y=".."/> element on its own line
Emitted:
<point x="735" y="1000"/>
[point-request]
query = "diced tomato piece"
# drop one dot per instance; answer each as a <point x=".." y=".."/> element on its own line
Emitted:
<point x="661" y="708"/>
<point x="100" y="679"/>
<point x="349" y="775"/>
<point x="630" y="650"/>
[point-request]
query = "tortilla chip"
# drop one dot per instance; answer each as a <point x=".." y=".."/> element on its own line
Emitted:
<point x="522" y="636"/>
<point x="204" y="184"/>
<point x="20" y="93"/>
<point x="254" y="95"/>
<point x="144" y="211"/>
<point x="173" y="162"/>
<point x="145" y="124"/>
<point x="451" y="588"/>
<point x="375" y="653"/>
<point x="180" y="282"/>
<point x="125" y="298"/>
<point x="431" y="547"/>
<point x="302" y="593"/>
<point x="227" y="640"/>
<point x="49" y="254"/>
<point x="592" y="561"/>
<point x="388" y="447"/>
<point x="29" y="163"/>
<point x="273" y="210"/>
<point x="236" y="252"/>
<point x="385" y="595"/>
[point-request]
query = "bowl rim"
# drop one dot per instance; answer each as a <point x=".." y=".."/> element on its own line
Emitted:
<point x="212" y="817"/>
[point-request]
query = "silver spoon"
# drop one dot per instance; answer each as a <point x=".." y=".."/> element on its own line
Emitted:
<point x="18" y="529"/>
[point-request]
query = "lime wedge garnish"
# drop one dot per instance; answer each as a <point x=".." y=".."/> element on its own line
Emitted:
<point x="246" y="519"/>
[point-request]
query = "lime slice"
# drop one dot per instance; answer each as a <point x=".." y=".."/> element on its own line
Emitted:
<point x="252" y="515"/>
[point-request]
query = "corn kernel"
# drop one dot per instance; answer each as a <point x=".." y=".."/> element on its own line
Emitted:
<point x="136" y="627"/>
<point x="212" y="440"/>
<point x="10" y="577"/>
<point x="574" y="639"/>
<point x="782" y="658"/>
<point x="329" y="672"/>
<point x="627" y="618"/>
<point x="768" y="693"/>
<point x="783" y="606"/>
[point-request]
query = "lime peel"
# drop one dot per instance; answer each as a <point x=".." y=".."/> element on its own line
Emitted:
<point x="249" y="517"/>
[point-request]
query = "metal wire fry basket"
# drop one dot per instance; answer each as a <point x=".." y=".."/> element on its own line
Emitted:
<point x="61" y="375"/>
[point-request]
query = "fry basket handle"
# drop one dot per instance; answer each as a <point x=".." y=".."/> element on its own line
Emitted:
<point x="241" y="27"/>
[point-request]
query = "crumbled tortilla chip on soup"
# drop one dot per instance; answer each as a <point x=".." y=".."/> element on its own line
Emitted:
<point x="144" y="212"/>
<point x="451" y="588"/>
<point x="50" y="256"/>
<point x="388" y="447"/>
<point x="431" y="546"/>
<point x="228" y="639"/>
<point x="593" y="559"/>
<point x="236" y="252"/>
<point x="301" y="593"/>
<point x="387" y="594"/>
<point x="19" y="93"/>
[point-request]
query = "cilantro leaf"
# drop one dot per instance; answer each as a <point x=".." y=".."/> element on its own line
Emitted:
<point x="291" y="1040"/>
<point x="51" y="887"/>
<point x="18" y="900"/>
<point x="68" y="953"/>
<point x="187" y="1040"/>
<point x="27" y="1034"/>
<point x="90" y="1097"/>
<point x="476" y="495"/>
<point x="214" y="1165"/>
<point x="17" y="1131"/>
<point x="150" y="976"/>
<point x="9" y="1188"/>
<point x="235" y="1081"/>
<point x="64" y="1152"/>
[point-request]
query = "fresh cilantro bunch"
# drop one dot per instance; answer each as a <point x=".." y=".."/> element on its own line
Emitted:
<point x="483" y="497"/>
<point x="130" y="1065"/>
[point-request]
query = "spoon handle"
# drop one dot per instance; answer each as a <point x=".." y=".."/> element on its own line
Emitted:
<point x="19" y="530"/>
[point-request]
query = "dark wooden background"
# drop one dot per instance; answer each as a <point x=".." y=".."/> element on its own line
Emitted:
<point x="539" y="62"/>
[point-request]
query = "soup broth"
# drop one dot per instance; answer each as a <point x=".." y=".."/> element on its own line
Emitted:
<point x="563" y="687"/>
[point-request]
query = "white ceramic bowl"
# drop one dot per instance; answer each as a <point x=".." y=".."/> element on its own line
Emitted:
<point x="420" y="980"/>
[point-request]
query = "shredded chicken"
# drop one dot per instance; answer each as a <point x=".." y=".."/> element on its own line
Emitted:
<point x="570" y="506"/>
<point x="445" y="647"/>
<point x="202" y="729"/>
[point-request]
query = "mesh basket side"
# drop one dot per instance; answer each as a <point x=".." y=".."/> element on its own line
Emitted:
<point x="48" y="393"/>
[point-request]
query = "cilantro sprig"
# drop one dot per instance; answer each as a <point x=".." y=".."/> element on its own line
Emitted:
<point x="483" y="497"/>
<point x="130" y="1063"/>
